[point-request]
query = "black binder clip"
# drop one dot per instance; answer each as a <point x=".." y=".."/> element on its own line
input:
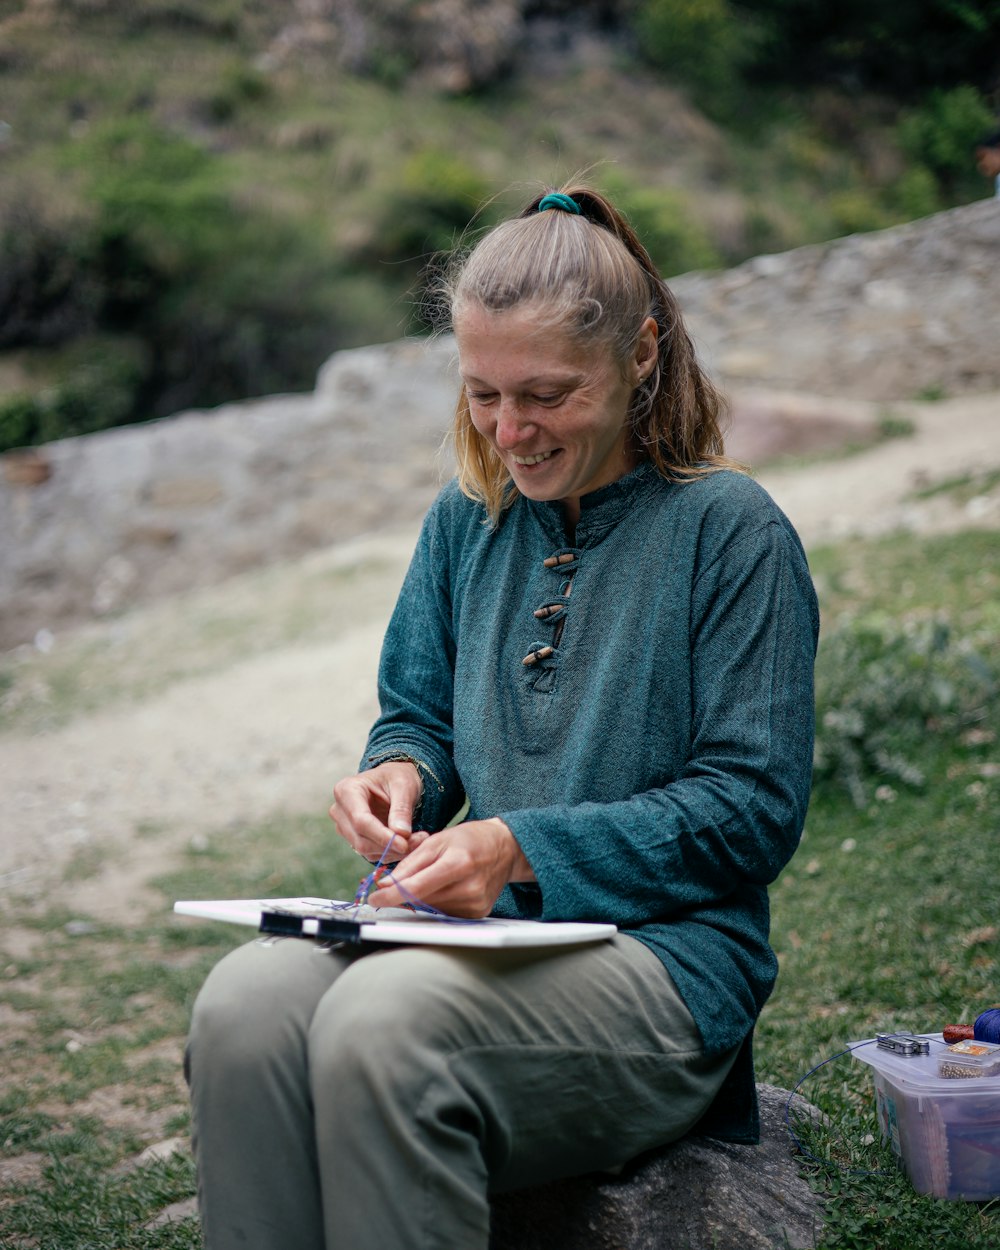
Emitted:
<point x="325" y="928"/>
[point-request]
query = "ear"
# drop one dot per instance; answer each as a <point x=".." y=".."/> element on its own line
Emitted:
<point x="645" y="357"/>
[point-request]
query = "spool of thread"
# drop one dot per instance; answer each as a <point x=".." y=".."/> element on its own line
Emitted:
<point x="987" y="1026"/>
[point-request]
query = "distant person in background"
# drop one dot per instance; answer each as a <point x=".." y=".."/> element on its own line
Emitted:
<point x="988" y="159"/>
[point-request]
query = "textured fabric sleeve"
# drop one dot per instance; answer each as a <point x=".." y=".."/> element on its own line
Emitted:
<point x="416" y="680"/>
<point x="734" y="813"/>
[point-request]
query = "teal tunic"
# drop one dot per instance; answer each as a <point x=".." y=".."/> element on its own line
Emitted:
<point x="654" y="758"/>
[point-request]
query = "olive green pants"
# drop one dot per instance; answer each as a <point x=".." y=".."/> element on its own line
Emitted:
<point x="346" y="1100"/>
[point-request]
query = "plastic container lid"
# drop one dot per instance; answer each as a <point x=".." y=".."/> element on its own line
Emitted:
<point x="919" y="1073"/>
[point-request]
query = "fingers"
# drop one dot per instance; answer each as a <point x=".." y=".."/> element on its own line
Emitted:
<point x="377" y="805"/>
<point x="460" y="870"/>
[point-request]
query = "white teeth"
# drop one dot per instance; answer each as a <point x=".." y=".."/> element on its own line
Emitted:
<point x="532" y="459"/>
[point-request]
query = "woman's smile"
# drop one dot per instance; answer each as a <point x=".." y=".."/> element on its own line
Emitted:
<point x="539" y="459"/>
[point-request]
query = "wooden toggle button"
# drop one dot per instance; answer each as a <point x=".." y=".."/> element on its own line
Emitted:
<point x="542" y="653"/>
<point x="553" y="562"/>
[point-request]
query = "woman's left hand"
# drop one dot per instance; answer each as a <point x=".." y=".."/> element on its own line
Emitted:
<point x="460" y="870"/>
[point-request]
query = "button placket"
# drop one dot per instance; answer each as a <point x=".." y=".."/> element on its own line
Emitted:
<point x="553" y="611"/>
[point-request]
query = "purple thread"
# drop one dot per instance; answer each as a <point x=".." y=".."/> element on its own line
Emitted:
<point x="366" y="886"/>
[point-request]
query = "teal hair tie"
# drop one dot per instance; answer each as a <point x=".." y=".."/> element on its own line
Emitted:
<point x="558" y="200"/>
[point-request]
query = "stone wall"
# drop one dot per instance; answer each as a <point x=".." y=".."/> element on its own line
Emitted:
<point x="91" y="525"/>
<point x="882" y="316"/>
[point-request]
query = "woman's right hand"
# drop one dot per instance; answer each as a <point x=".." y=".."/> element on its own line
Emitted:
<point x="378" y="804"/>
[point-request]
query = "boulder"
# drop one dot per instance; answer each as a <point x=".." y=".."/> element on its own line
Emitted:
<point x="696" y="1194"/>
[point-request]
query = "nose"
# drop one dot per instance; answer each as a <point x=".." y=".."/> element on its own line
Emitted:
<point x="512" y="427"/>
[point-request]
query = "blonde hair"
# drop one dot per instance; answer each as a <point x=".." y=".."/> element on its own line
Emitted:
<point x="594" y="280"/>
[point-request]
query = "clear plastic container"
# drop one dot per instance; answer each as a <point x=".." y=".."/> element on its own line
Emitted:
<point x="945" y="1132"/>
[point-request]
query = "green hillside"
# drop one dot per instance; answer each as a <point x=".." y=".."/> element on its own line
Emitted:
<point x="201" y="199"/>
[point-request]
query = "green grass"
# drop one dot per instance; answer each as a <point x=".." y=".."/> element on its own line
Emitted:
<point x="94" y="1029"/>
<point x="963" y="488"/>
<point x="885" y="919"/>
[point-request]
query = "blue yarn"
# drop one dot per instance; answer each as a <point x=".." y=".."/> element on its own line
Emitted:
<point x="987" y="1026"/>
<point x="558" y="200"/>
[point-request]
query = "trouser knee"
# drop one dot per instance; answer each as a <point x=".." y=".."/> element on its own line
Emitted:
<point x="390" y="1020"/>
<point x="251" y="1006"/>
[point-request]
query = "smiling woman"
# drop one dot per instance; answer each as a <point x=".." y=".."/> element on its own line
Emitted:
<point x="577" y="298"/>
<point x="603" y="650"/>
<point x="552" y="410"/>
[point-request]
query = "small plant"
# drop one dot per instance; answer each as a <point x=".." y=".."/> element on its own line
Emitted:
<point x="891" y="425"/>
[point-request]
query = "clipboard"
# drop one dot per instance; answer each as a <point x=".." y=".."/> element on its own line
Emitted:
<point x="333" y="920"/>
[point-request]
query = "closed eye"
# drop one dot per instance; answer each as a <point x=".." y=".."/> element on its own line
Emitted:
<point x="481" y="397"/>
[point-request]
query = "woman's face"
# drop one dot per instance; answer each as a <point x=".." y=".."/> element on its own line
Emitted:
<point x="551" y="408"/>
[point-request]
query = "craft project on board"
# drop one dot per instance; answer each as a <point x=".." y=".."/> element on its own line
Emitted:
<point x="333" y="920"/>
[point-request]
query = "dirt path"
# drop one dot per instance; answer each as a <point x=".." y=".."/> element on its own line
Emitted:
<point x="267" y="722"/>
<point x="878" y="491"/>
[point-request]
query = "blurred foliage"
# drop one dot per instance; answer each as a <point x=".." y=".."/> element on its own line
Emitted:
<point x="47" y="293"/>
<point x="885" y="688"/>
<point x="664" y="220"/>
<point x="430" y="202"/>
<point x="217" y="299"/>
<point x="98" y="379"/>
<point x="704" y="43"/>
<point x="903" y="50"/>
<point x="226" y="212"/>
<point x="940" y="134"/>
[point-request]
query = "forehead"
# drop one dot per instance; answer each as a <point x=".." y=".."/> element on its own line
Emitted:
<point x="521" y="342"/>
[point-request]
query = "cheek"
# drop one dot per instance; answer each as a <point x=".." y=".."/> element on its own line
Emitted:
<point x="482" y="422"/>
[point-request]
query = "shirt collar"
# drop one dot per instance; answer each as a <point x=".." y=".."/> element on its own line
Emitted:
<point x="603" y="508"/>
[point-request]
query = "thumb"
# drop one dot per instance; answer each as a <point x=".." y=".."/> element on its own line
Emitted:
<point x="400" y="814"/>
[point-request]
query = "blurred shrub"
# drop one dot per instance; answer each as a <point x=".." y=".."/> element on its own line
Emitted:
<point x="19" y="421"/>
<point x="895" y="48"/>
<point x="431" y="202"/>
<point x="705" y="44"/>
<point x="884" y="690"/>
<point x="855" y="210"/>
<point x="227" y="299"/>
<point x="48" y="293"/>
<point x="941" y="133"/>
<point x="238" y="85"/>
<point x="916" y="194"/>
<point x="666" y="223"/>
<point x="98" y="380"/>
